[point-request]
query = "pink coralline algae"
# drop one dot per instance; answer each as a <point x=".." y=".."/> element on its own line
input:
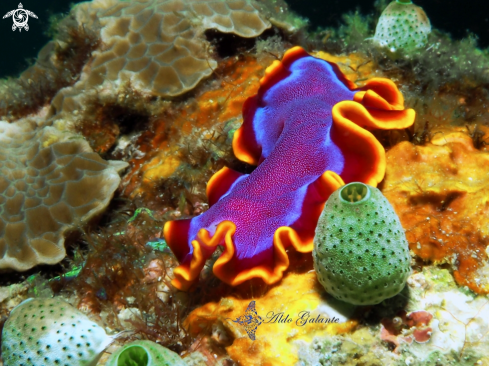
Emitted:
<point x="407" y="328"/>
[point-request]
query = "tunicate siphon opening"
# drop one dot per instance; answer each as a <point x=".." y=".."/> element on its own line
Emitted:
<point x="354" y="192"/>
<point x="132" y="356"/>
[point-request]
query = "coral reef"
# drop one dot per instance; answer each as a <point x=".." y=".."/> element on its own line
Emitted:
<point x="297" y="309"/>
<point x="432" y="322"/>
<point x="356" y="67"/>
<point x="458" y="334"/>
<point x="439" y="192"/>
<point x="168" y="86"/>
<point x="406" y="328"/>
<point x="158" y="46"/>
<point x="197" y="144"/>
<point x="51" y="331"/>
<point x="126" y="282"/>
<point x="51" y="182"/>
<point x="360" y="253"/>
<point x="448" y="74"/>
<point x="144" y="353"/>
<point x="402" y="25"/>
<point x="58" y="65"/>
<point x="288" y="189"/>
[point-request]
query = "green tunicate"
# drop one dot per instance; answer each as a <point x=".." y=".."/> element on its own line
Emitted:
<point x="361" y="254"/>
<point x="402" y="26"/>
<point x="47" y="331"/>
<point x="354" y="192"/>
<point x="144" y="353"/>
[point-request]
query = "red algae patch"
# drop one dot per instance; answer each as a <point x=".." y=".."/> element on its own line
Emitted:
<point x="404" y="328"/>
<point x="441" y="193"/>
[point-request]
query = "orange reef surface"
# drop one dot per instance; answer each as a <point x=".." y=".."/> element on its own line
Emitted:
<point x="195" y="118"/>
<point x="213" y="112"/>
<point x="441" y="193"/>
<point x="355" y="66"/>
<point x="296" y="309"/>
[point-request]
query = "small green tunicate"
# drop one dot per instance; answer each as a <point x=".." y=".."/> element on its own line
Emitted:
<point x="361" y="254"/>
<point x="47" y="331"/>
<point x="402" y="26"/>
<point x="144" y="353"/>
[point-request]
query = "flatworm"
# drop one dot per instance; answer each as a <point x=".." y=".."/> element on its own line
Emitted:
<point x="307" y="130"/>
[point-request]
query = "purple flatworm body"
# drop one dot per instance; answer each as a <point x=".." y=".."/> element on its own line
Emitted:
<point x="307" y="130"/>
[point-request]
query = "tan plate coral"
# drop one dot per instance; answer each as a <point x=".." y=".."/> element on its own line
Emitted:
<point x="50" y="182"/>
<point x="158" y="45"/>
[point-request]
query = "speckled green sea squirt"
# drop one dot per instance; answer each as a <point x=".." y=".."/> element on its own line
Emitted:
<point x="144" y="353"/>
<point x="402" y="26"/>
<point x="51" y="332"/>
<point x="361" y="254"/>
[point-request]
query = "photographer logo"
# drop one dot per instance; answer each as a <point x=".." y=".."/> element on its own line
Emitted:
<point x="250" y="320"/>
<point x="20" y="17"/>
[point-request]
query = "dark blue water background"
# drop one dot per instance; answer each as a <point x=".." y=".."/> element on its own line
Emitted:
<point x="19" y="49"/>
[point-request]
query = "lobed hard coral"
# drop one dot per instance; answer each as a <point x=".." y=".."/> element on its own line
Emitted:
<point x="51" y="332"/>
<point x="50" y="182"/>
<point x="440" y="193"/>
<point x="157" y="45"/>
<point x="360" y="253"/>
